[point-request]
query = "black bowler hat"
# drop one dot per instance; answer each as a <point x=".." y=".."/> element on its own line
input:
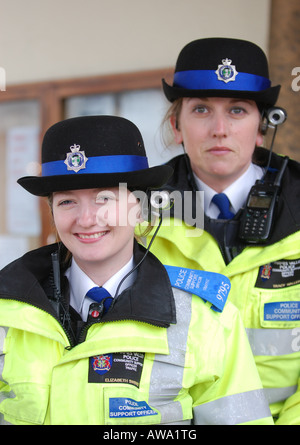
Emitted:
<point x="94" y="152"/>
<point x="222" y="67"/>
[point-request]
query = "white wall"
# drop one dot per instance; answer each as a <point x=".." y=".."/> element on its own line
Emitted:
<point x="52" y="39"/>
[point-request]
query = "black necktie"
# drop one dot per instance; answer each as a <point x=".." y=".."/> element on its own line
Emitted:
<point x="100" y="295"/>
<point x="222" y="202"/>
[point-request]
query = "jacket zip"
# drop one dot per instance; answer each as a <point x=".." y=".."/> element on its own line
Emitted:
<point x="83" y="332"/>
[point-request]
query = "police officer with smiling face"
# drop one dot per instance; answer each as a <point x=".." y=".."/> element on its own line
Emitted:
<point x="223" y="103"/>
<point x="95" y="329"/>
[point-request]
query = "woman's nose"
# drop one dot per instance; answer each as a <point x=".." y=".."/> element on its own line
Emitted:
<point x="219" y="126"/>
<point x="86" y="216"/>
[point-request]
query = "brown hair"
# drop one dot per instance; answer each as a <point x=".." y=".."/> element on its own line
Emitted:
<point x="167" y="132"/>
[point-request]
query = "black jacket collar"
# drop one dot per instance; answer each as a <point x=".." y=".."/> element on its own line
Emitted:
<point x="149" y="300"/>
<point x="287" y="218"/>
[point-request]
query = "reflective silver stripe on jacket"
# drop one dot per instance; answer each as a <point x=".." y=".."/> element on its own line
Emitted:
<point x="3" y="421"/>
<point x="275" y="395"/>
<point x="3" y="333"/>
<point x="166" y="379"/>
<point x="274" y="341"/>
<point x="3" y="395"/>
<point x="167" y="375"/>
<point x="231" y="410"/>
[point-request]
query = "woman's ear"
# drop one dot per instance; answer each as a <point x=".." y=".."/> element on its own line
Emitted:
<point x="176" y="130"/>
<point x="139" y="216"/>
<point x="136" y="212"/>
<point x="259" y="138"/>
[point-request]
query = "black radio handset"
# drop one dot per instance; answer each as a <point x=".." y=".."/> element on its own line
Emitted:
<point x="258" y="216"/>
<point x="56" y="283"/>
<point x="61" y="312"/>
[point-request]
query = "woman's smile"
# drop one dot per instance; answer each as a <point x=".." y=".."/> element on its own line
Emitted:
<point x="91" y="237"/>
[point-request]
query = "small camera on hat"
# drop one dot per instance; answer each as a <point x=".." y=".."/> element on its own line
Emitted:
<point x="159" y="201"/>
<point x="272" y="117"/>
<point x="276" y="115"/>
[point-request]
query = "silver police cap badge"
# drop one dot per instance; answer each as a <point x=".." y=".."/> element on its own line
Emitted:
<point x="75" y="160"/>
<point x="226" y="72"/>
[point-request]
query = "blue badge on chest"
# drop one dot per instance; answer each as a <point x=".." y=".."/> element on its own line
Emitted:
<point x="282" y="311"/>
<point x="121" y="407"/>
<point x="209" y="286"/>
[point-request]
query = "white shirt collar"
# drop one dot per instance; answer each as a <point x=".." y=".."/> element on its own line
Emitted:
<point x="237" y="192"/>
<point x="80" y="284"/>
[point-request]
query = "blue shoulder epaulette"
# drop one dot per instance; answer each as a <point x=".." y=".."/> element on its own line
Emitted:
<point x="210" y="286"/>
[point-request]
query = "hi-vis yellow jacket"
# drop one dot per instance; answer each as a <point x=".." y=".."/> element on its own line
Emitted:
<point x="265" y="285"/>
<point x="160" y="355"/>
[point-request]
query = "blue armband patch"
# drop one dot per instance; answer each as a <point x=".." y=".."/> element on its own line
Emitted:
<point x="210" y="286"/>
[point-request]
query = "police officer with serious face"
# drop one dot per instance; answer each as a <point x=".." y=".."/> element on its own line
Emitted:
<point x="222" y="105"/>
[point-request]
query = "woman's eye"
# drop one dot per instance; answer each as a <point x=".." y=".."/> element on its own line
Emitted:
<point x="238" y="110"/>
<point x="200" y="109"/>
<point x="104" y="198"/>
<point x="65" y="202"/>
